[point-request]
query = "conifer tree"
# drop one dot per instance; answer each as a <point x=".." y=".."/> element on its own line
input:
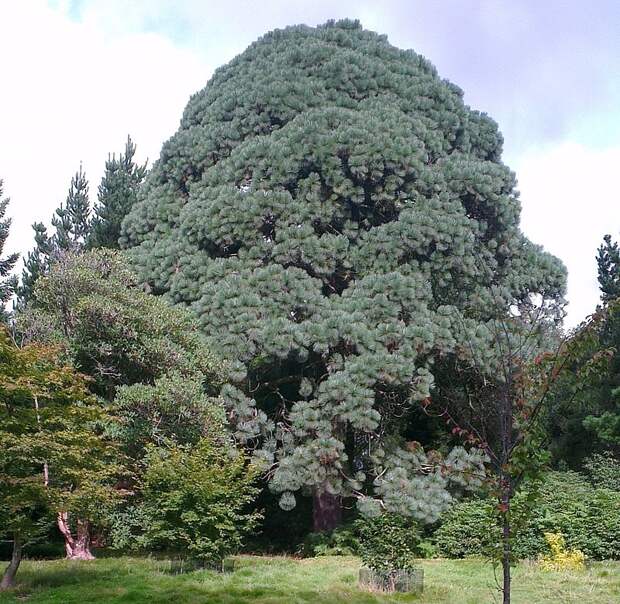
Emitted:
<point x="7" y="282"/>
<point x="71" y="222"/>
<point x="608" y="261"/>
<point x="117" y="194"/>
<point x="36" y="264"/>
<point x="338" y="219"/>
<point x="72" y="219"/>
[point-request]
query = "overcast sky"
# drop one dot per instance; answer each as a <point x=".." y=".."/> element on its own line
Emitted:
<point x="78" y="76"/>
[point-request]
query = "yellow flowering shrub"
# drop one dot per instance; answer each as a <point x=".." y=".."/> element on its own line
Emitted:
<point x="560" y="557"/>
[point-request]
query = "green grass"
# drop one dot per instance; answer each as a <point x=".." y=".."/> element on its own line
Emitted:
<point x="279" y="580"/>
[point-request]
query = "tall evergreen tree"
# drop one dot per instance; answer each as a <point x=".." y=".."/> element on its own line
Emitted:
<point x="587" y="420"/>
<point x="608" y="261"/>
<point x="7" y="281"/>
<point x="72" y="219"/>
<point x="71" y="229"/>
<point x="341" y="222"/>
<point x="117" y="194"/>
<point x="36" y="264"/>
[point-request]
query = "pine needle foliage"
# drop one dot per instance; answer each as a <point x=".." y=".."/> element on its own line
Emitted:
<point x="340" y="221"/>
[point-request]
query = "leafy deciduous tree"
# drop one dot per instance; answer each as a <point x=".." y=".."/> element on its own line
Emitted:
<point x="194" y="501"/>
<point x="91" y="305"/>
<point x="52" y="460"/>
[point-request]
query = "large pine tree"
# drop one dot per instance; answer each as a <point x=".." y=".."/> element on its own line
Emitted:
<point x="341" y="222"/>
<point x="117" y="194"/>
<point x="7" y="281"/>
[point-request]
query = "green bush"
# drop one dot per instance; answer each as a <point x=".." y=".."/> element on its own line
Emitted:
<point x="566" y="503"/>
<point x="389" y="542"/>
<point x="603" y="470"/>
<point x="467" y="529"/>
<point x="589" y="518"/>
<point x="347" y="539"/>
<point x="343" y="541"/>
<point x="194" y="503"/>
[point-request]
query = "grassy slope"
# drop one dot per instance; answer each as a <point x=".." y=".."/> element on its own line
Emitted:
<point x="287" y="581"/>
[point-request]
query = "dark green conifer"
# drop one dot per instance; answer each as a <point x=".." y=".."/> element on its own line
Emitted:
<point x="341" y="222"/>
<point x="7" y="281"/>
<point x="71" y="222"/>
<point x="72" y="219"/>
<point x="36" y="264"/>
<point x="117" y="194"/>
<point x="608" y="261"/>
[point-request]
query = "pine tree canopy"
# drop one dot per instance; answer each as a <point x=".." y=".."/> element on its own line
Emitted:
<point x="340" y="221"/>
<point x="117" y="194"/>
<point x="7" y="282"/>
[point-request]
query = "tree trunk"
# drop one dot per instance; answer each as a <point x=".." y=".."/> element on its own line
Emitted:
<point x="326" y="512"/>
<point x="8" y="579"/>
<point x="75" y="548"/>
<point x="506" y="562"/>
<point x="506" y="550"/>
<point x="507" y="429"/>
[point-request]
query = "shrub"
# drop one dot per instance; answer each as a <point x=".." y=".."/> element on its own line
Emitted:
<point x="560" y="557"/>
<point x="468" y="529"/>
<point x="603" y="470"/>
<point x="194" y="502"/>
<point x="389" y="542"/>
<point x="566" y="503"/>
<point x="346" y="540"/>
<point x="343" y="541"/>
<point x="588" y="517"/>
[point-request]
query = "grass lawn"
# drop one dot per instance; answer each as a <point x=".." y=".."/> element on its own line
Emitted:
<point x="279" y="580"/>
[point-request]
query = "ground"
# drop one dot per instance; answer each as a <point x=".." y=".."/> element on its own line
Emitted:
<point x="279" y="580"/>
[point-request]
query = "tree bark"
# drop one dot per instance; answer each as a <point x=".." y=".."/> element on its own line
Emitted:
<point x="326" y="511"/>
<point x="506" y="484"/>
<point x="506" y="556"/>
<point x="83" y="542"/>
<point x="76" y="548"/>
<point x="8" y="579"/>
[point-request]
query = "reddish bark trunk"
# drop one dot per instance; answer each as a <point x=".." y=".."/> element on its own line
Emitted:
<point x="76" y="548"/>
<point x="326" y="512"/>
<point x="8" y="578"/>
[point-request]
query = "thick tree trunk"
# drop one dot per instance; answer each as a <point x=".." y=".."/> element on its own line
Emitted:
<point x="83" y="542"/>
<point x="76" y="548"/>
<point x="326" y="512"/>
<point x="8" y="579"/>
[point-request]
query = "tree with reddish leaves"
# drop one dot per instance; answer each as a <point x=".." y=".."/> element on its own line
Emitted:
<point x="499" y="403"/>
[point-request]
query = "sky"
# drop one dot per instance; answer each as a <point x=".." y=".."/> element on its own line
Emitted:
<point x="77" y="76"/>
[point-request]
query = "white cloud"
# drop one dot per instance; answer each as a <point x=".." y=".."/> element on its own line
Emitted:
<point x="569" y="194"/>
<point x="72" y="92"/>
